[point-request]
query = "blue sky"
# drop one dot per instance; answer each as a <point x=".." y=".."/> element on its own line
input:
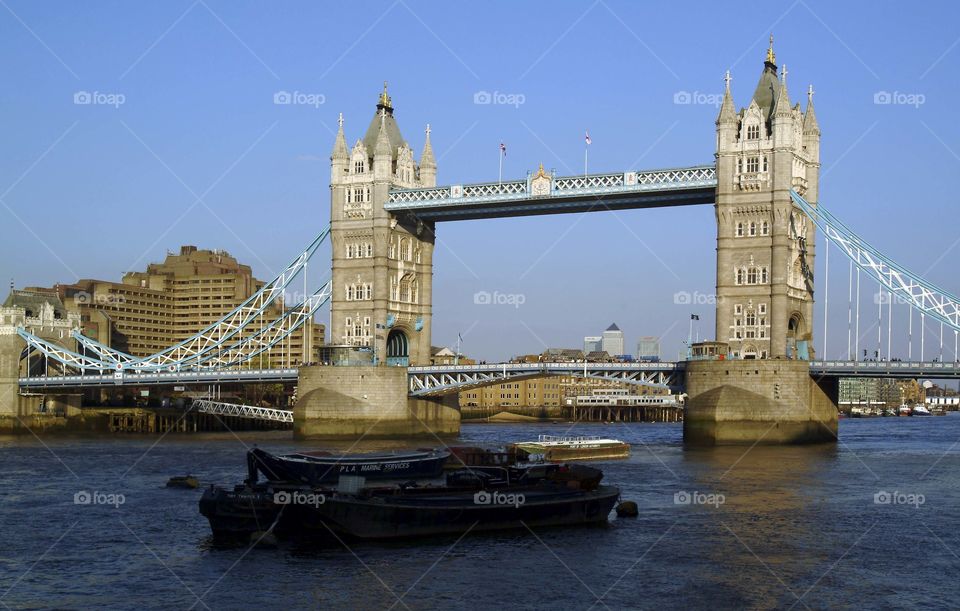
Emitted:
<point x="198" y="153"/>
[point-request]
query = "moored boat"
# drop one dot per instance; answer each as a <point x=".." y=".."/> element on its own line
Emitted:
<point x="920" y="410"/>
<point x="556" y="448"/>
<point x="470" y="499"/>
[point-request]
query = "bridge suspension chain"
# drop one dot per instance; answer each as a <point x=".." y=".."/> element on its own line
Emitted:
<point x="921" y="295"/>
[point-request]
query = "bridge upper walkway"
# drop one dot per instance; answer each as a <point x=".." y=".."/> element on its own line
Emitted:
<point x="547" y="194"/>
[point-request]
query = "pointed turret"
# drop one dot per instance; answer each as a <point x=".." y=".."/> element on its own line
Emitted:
<point x="727" y="112"/>
<point x="781" y="107"/>
<point x="727" y="119"/>
<point x="339" y="158"/>
<point x="769" y="85"/>
<point x="383" y="121"/>
<point x="382" y="151"/>
<point x="428" y="165"/>
<point x="810" y="125"/>
<point x="340" y="144"/>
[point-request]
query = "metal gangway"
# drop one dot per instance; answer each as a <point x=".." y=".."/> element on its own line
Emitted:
<point x="218" y="408"/>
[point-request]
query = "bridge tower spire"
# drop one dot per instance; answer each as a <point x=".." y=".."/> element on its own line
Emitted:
<point x="765" y="244"/>
<point x="382" y="265"/>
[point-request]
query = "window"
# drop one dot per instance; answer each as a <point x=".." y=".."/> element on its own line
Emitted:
<point x="753" y="165"/>
<point x="763" y="275"/>
<point x="369" y="249"/>
<point x="752" y="275"/>
<point x="349" y="292"/>
<point x="738" y="309"/>
<point x="753" y="229"/>
<point x="358" y="167"/>
<point x="751" y="319"/>
<point x="349" y="251"/>
<point x="739" y="230"/>
<point x="764" y="228"/>
<point x="739" y="276"/>
<point x="753" y="132"/>
<point x="367" y="291"/>
<point x="763" y="308"/>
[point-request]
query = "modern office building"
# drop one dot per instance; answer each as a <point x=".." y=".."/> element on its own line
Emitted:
<point x="612" y="342"/>
<point x="648" y="348"/>
<point x="593" y="343"/>
<point x="151" y="310"/>
<point x="870" y="392"/>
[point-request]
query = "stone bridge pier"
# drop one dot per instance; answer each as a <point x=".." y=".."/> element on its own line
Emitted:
<point x="368" y="402"/>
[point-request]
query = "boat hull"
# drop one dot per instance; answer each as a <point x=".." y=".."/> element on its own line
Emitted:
<point x="359" y="518"/>
<point x="566" y="453"/>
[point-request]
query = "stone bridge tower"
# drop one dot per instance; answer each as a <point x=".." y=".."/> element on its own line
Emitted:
<point x="382" y="266"/>
<point x="765" y="243"/>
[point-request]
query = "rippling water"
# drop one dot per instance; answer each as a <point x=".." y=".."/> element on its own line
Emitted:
<point x="765" y="527"/>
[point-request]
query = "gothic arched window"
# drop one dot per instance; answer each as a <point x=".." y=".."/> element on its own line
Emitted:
<point x="752" y="275"/>
<point x="739" y="230"/>
<point x="739" y="276"/>
<point x="753" y="229"/>
<point x="763" y="275"/>
<point x="753" y="132"/>
<point x="764" y="228"/>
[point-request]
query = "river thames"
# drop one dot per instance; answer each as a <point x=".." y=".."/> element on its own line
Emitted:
<point x="873" y="521"/>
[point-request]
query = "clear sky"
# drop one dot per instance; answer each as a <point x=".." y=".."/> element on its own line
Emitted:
<point x="182" y="142"/>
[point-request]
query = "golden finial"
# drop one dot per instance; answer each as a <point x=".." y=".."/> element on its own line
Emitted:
<point x="384" y="98"/>
<point x="771" y="57"/>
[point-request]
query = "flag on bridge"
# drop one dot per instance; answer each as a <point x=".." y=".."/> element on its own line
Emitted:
<point x="503" y="149"/>
<point x="694" y="317"/>
<point x="588" y="140"/>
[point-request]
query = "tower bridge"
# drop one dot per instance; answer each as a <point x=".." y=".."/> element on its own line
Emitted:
<point x="762" y="373"/>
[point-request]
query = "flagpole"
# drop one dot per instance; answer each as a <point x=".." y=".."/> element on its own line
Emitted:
<point x="586" y="149"/>
<point x="500" y="172"/>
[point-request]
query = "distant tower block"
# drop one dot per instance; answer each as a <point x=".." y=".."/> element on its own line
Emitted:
<point x="765" y="244"/>
<point x="382" y="265"/>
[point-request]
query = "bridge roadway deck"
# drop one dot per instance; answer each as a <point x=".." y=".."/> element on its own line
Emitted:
<point x="445" y="378"/>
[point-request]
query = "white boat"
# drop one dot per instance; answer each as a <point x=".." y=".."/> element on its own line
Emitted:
<point x="563" y="448"/>
<point x="920" y="410"/>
